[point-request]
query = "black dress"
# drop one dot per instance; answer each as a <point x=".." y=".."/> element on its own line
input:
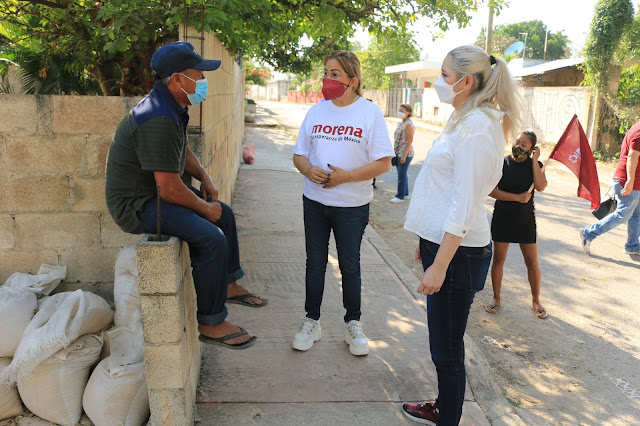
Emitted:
<point x="515" y="222"/>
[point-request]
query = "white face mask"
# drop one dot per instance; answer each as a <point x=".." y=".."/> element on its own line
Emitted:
<point x="445" y="91"/>
<point x="401" y="114"/>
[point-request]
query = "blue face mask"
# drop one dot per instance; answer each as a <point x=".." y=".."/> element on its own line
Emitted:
<point x="202" y="86"/>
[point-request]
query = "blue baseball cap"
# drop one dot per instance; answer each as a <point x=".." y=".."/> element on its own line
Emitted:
<point x="177" y="57"/>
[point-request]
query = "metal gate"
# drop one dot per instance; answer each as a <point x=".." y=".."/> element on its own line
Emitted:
<point x="407" y="95"/>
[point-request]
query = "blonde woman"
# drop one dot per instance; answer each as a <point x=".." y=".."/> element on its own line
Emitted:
<point x="342" y="145"/>
<point x="447" y="212"/>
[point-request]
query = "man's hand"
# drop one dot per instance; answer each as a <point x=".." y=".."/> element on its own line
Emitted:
<point x="208" y="188"/>
<point x="317" y="175"/>
<point x="628" y="187"/>
<point x="336" y="177"/>
<point x="523" y="197"/>
<point x="403" y="159"/>
<point x="432" y="280"/>
<point x="213" y="212"/>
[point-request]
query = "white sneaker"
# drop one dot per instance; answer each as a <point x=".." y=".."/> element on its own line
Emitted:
<point x="586" y="245"/>
<point x="355" y="338"/>
<point x="397" y="200"/>
<point x="310" y="332"/>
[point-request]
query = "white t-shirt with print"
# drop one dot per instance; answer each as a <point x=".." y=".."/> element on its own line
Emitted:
<point x="346" y="137"/>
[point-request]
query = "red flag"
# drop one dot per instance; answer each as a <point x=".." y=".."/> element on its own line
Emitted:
<point x="573" y="151"/>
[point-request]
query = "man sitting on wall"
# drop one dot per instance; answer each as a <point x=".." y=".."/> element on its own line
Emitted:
<point x="150" y="149"/>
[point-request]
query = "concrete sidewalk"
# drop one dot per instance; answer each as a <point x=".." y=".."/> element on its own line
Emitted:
<point x="272" y="384"/>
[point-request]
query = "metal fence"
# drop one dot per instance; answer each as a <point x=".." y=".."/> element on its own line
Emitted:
<point x="408" y="95"/>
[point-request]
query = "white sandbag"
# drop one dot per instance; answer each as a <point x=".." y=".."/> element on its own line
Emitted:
<point x="61" y="319"/>
<point x="126" y="347"/>
<point x="42" y="284"/>
<point x="10" y="405"/>
<point x="54" y="390"/>
<point x="117" y="397"/>
<point x="16" y="310"/>
<point x="125" y="289"/>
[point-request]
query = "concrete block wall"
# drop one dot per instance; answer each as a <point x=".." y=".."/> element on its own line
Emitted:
<point x="53" y="152"/>
<point x="172" y="351"/>
<point x="222" y="113"/>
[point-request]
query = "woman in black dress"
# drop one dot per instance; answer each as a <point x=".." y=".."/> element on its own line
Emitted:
<point x="514" y="219"/>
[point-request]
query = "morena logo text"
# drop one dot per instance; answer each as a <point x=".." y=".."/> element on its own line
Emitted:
<point x="337" y="130"/>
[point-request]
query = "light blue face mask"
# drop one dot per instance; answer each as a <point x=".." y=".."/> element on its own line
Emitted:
<point x="202" y="86"/>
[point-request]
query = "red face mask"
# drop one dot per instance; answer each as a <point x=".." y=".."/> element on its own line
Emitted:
<point x="332" y="89"/>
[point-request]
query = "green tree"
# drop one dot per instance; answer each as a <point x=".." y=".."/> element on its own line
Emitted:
<point x="391" y="46"/>
<point x="507" y="34"/>
<point x="610" y="20"/>
<point x="255" y="73"/>
<point x="114" y="40"/>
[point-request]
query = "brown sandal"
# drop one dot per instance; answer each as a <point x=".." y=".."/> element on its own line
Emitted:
<point x="492" y="309"/>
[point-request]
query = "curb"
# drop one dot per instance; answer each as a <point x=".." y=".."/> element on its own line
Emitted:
<point x="485" y="391"/>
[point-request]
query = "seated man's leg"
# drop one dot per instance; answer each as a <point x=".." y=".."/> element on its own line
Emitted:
<point x="208" y="252"/>
<point x="227" y="224"/>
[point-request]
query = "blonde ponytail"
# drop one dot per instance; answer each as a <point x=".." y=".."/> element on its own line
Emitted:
<point x="493" y="87"/>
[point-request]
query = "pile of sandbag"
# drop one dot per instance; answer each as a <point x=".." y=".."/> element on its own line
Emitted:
<point x="117" y="390"/>
<point x="46" y="358"/>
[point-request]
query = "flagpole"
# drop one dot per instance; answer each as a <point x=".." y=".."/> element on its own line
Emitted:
<point x="542" y="170"/>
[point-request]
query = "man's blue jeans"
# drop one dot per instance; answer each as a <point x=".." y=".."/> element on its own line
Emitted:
<point x="628" y="210"/>
<point x="447" y="313"/>
<point x="403" y="180"/>
<point x="348" y="225"/>
<point x="214" y="251"/>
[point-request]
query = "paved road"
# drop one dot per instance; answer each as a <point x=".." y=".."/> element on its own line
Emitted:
<point x="581" y="365"/>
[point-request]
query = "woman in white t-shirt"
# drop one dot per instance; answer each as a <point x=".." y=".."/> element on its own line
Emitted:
<point x="447" y="212"/>
<point x="342" y="145"/>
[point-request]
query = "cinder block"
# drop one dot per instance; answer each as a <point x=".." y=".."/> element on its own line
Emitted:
<point x="18" y="114"/>
<point x="163" y="318"/>
<point x="28" y="193"/>
<point x="166" y="365"/>
<point x="87" y="194"/>
<point x="159" y="266"/>
<point x="87" y="114"/>
<point x="170" y="408"/>
<point x="24" y="261"/>
<point x="89" y="265"/>
<point x="57" y="230"/>
<point x="111" y="234"/>
<point x="46" y="154"/>
<point x="97" y="151"/>
<point x="7" y="231"/>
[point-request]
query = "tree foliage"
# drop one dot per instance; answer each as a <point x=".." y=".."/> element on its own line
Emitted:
<point x="610" y="20"/>
<point x="389" y="47"/>
<point x="255" y="73"/>
<point x="114" y="40"/>
<point x="507" y="34"/>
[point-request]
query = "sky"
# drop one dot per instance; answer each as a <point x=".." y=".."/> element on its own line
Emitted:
<point x="573" y="17"/>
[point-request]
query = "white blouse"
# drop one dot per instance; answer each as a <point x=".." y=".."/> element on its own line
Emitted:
<point x="462" y="167"/>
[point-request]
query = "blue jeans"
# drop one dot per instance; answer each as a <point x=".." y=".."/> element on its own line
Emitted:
<point x="214" y="251"/>
<point x="403" y="180"/>
<point x="348" y="225"/>
<point x="447" y="313"/>
<point x="628" y="210"/>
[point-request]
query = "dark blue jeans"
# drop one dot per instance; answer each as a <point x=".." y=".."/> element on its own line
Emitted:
<point x="348" y="225"/>
<point x="214" y="251"/>
<point x="403" y="180"/>
<point x="447" y="313"/>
